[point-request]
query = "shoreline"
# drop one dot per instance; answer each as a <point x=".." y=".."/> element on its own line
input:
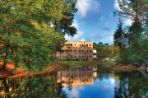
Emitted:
<point x="128" y="68"/>
<point x="110" y="66"/>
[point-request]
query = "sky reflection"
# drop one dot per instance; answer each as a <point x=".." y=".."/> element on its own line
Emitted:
<point x="101" y="88"/>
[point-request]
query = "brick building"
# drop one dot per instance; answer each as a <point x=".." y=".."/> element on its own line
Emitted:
<point x="76" y="50"/>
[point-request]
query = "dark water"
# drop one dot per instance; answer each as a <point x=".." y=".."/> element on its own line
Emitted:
<point x="94" y="83"/>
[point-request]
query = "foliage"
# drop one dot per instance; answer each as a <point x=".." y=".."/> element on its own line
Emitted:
<point x="29" y="31"/>
<point x="106" y="51"/>
<point x="135" y="51"/>
<point x="120" y="37"/>
<point x="132" y="9"/>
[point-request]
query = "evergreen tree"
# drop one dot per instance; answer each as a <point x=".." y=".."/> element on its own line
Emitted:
<point x="120" y="38"/>
<point x="137" y="10"/>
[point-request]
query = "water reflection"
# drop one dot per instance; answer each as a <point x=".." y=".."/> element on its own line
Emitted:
<point x="86" y="83"/>
<point x="31" y="87"/>
<point x="77" y="76"/>
<point x="80" y="82"/>
<point x="83" y="83"/>
<point x="132" y="85"/>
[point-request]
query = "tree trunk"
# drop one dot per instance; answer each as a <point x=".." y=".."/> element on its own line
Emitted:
<point x="4" y="60"/>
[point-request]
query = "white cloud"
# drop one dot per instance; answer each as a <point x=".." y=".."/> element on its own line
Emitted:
<point x="83" y="6"/>
<point x="75" y="24"/>
<point x="111" y="39"/>
<point x="128" y="21"/>
<point x="82" y="39"/>
<point x="95" y="5"/>
<point x="76" y="37"/>
<point x="116" y="5"/>
<point x="86" y="5"/>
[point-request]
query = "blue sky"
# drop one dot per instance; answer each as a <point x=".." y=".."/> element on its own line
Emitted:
<point x="95" y="21"/>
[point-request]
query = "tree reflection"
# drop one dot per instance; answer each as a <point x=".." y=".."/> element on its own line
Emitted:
<point x="132" y="86"/>
<point x="33" y="87"/>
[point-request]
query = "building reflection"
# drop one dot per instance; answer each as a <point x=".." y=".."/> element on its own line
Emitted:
<point x="77" y="76"/>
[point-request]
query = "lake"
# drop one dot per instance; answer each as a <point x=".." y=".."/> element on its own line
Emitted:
<point x="78" y="82"/>
<point x="92" y="82"/>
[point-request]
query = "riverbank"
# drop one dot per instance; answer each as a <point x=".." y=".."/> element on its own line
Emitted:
<point x="124" y="68"/>
<point x="128" y="68"/>
<point x="104" y="65"/>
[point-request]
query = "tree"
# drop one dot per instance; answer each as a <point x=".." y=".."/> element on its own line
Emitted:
<point x="106" y="51"/>
<point x="120" y="38"/>
<point x="137" y="32"/>
<point x="134" y="9"/>
<point x="26" y="36"/>
<point x="30" y="32"/>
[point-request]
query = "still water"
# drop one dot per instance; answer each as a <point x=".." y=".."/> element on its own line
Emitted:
<point x="91" y="82"/>
<point x="78" y="82"/>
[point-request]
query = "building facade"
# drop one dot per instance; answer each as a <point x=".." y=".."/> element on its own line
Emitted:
<point x="76" y="50"/>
